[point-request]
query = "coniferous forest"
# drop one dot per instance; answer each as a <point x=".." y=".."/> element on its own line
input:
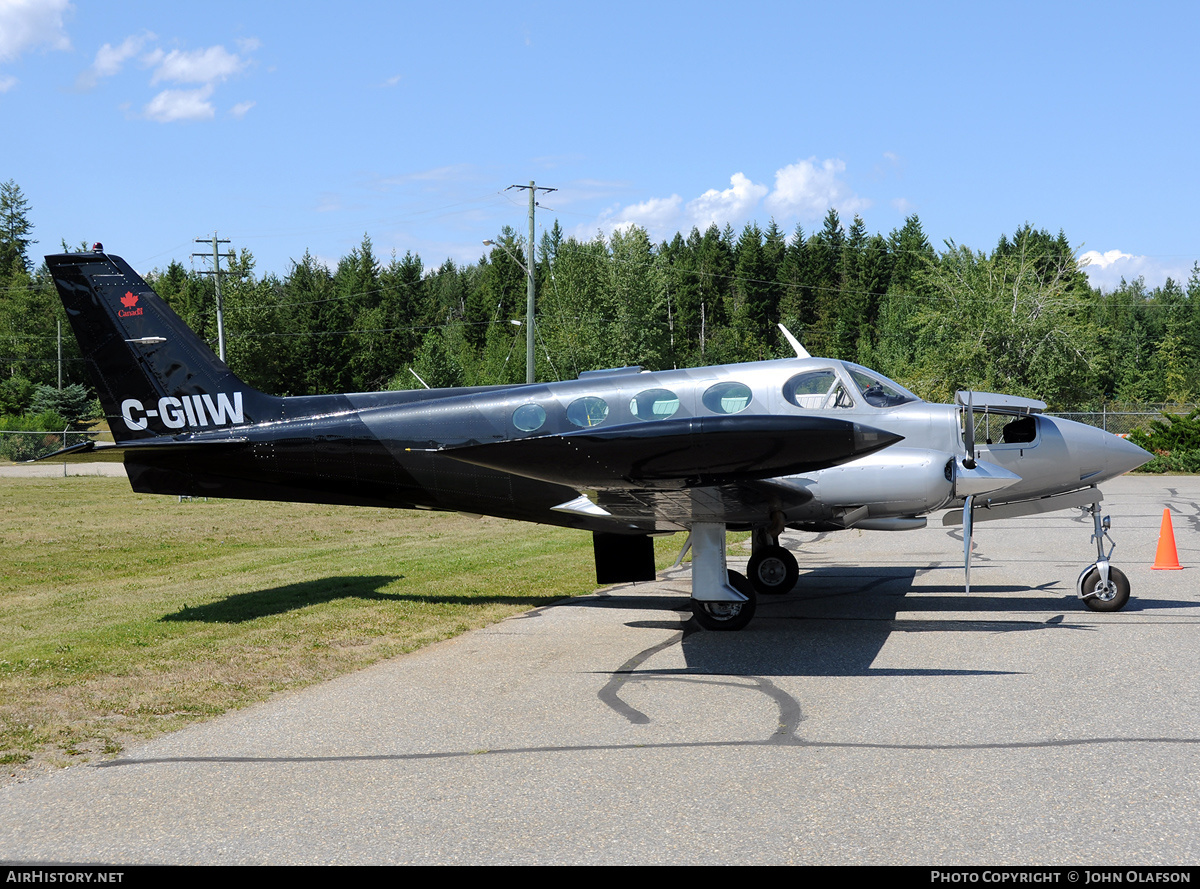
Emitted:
<point x="1019" y="317"/>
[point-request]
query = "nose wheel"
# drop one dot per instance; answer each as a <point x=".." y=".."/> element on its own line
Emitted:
<point x="1101" y="595"/>
<point x="1101" y="586"/>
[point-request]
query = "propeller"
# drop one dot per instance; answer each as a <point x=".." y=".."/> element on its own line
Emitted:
<point x="968" y="530"/>
<point x="969" y="431"/>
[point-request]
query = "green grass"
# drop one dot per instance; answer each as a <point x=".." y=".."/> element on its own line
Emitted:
<point x="127" y="615"/>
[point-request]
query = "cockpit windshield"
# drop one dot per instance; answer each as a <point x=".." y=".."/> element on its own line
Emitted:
<point x="876" y="390"/>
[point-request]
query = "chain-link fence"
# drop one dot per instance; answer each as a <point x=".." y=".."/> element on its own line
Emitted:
<point x="1128" y="418"/>
<point x="21" y="446"/>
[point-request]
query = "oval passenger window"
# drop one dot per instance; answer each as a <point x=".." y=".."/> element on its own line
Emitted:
<point x="727" y="398"/>
<point x="529" y="417"/>
<point x="654" y="404"/>
<point x="587" y="411"/>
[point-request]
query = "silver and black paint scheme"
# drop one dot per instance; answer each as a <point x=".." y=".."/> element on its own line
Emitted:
<point x="805" y="443"/>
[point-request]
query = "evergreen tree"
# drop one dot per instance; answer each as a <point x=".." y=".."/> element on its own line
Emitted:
<point x="753" y="291"/>
<point x="797" y="303"/>
<point x="825" y="249"/>
<point x="14" y="229"/>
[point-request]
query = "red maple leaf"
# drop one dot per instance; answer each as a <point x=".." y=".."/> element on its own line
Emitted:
<point x="129" y="299"/>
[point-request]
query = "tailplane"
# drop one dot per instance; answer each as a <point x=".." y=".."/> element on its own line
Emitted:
<point x="153" y="375"/>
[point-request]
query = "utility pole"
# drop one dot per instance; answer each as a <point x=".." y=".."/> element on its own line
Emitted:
<point x="216" y="273"/>
<point x="530" y="282"/>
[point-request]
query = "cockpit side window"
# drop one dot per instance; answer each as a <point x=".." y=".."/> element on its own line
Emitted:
<point x="877" y="391"/>
<point x="817" y="390"/>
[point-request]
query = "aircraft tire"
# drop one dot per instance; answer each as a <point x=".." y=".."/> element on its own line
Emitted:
<point x="773" y="571"/>
<point x="726" y="615"/>
<point x="1112" y="599"/>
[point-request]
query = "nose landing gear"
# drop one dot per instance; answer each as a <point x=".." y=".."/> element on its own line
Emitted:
<point x="1101" y="586"/>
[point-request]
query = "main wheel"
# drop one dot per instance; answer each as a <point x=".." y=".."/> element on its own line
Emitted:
<point x="773" y="571"/>
<point x="1107" y="598"/>
<point x="727" y="615"/>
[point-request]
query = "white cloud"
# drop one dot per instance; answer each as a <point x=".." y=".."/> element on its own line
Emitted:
<point x="195" y="66"/>
<point x="110" y="59"/>
<point x="172" y="105"/>
<point x="206" y="67"/>
<point x="732" y="204"/>
<point x="1103" y="260"/>
<point x="656" y="214"/>
<point x="7" y="82"/>
<point x="807" y="190"/>
<point x="25" y="24"/>
<point x="1105" y="270"/>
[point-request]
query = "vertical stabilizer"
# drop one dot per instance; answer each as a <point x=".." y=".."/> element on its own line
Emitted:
<point x="153" y="375"/>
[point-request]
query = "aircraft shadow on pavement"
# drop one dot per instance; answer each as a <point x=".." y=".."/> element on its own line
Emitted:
<point x="838" y="619"/>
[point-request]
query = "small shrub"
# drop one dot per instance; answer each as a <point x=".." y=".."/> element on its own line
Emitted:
<point x="1174" y="441"/>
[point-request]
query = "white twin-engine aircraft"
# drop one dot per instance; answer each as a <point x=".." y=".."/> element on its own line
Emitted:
<point x="803" y="443"/>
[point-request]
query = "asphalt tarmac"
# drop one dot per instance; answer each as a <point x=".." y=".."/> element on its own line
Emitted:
<point x="875" y="715"/>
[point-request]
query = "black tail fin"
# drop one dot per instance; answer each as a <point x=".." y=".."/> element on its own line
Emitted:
<point x="154" y="376"/>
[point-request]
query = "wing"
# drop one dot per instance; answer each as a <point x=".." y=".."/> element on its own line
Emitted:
<point x="734" y="504"/>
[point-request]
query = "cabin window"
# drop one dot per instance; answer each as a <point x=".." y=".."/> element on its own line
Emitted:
<point x="817" y="390"/>
<point x="529" y="417"/>
<point x="809" y="389"/>
<point x="654" y="404"/>
<point x="727" y="398"/>
<point x="587" y="411"/>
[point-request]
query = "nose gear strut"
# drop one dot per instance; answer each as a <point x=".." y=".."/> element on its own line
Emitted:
<point x="1101" y="586"/>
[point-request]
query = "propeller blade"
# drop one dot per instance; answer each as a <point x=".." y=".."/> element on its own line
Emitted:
<point x="968" y="530"/>
<point x="969" y="431"/>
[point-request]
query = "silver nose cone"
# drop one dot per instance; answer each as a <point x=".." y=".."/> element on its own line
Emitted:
<point x="1099" y="454"/>
<point x="1124" y="455"/>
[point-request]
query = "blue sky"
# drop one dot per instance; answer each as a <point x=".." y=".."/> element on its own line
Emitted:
<point x="302" y="126"/>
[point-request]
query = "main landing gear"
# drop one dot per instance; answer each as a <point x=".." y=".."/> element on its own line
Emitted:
<point x="1101" y="586"/>
<point x="727" y="615"/>
<point x="772" y="569"/>
<point x="726" y="600"/>
<point x="721" y="599"/>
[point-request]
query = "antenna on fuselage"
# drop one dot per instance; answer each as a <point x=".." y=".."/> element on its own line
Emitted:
<point x="801" y="352"/>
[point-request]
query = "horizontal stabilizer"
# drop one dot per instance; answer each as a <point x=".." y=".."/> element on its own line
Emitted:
<point x="99" y="450"/>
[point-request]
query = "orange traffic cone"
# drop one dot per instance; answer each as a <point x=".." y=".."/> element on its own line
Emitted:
<point x="1166" y="559"/>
